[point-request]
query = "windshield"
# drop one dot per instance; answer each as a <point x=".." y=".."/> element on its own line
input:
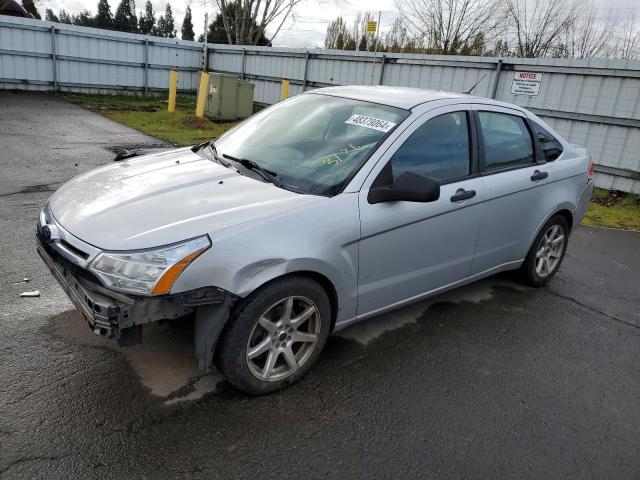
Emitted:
<point x="312" y="143"/>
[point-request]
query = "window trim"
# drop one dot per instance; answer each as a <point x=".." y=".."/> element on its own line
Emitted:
<point x="537" y="151"/>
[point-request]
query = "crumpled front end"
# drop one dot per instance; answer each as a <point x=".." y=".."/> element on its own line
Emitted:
<point x="108" y="313"/>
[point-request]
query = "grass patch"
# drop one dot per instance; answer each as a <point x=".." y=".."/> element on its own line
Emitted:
<point x="149" y="115"/>
<point x="614" y="210"/>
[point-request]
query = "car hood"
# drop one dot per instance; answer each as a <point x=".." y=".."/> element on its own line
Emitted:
<point x="164" y="198"/>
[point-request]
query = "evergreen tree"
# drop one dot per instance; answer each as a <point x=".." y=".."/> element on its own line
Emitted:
<point x="30" y="7"/>
<point x="187" y="26"/>
<point x="125" y="19"/>
<point x="83" y="19"/>
<point x="49" y="16"/>
<point x="147" y="19"/>
<point x="160" y="27"/>
<point x="168" y="29"/>
<point x="64" y="17"/>
<point x="104" y="18"/>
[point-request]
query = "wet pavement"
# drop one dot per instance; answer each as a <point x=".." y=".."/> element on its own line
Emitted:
<point x="494" y="380"/>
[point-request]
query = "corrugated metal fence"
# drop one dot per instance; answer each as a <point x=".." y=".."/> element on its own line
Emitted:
<point x="38" y="55"/>
<point x="595" y="103"/>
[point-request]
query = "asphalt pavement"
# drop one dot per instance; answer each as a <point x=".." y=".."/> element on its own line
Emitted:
<point x="494" y="380"/>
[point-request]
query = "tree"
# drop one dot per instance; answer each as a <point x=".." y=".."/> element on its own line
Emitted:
<point x="49" y="16"/>
<point x="166" y="27"/>
<point x="125" y="19"/>
<point x="337" y="34"/>
<point x="397" y="37"/>
<point x="83" y="19"/>
<point x="589" y="35"/>
<point x="64" y="17"/>
<point x="221" y="33"/>
<point x="147" y="21"/>
<point x="103" y="18"/>
<point x="245" y="22"/>
<point x="30" y="7"/>
<point x="627" y="39"/>
<point x="538" y="27"/>
<point x="187" y="26"/>
<point x="452" y="26"/>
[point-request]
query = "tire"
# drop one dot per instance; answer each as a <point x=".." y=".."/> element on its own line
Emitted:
<point x="550" y="244"/>
<point x="263" y="326"/>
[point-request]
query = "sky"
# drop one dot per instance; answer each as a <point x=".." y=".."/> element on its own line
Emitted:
<point x="305" y="28"/>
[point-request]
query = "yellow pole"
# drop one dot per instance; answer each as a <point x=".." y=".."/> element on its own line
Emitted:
<point x="284" y="89"/>
<point x="173" y="86"/>
<point x="202" y="94"/>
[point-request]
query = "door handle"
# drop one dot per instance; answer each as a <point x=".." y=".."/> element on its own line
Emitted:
<point x="462" y="194"/>
<point x="538" y="175"/>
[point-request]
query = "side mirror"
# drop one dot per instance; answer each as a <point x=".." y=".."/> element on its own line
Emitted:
<point x="409" y="187"/>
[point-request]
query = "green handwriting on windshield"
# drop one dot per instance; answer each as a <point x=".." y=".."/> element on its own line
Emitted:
<point x="345" y="154"/>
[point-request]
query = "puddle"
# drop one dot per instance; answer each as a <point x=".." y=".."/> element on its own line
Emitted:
<point x="164" y="362"/>
<point x="368" y="330"/>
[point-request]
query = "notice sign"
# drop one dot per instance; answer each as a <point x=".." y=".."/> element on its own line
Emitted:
<point x="372" y="26"/>
<point x="526" y="83"/>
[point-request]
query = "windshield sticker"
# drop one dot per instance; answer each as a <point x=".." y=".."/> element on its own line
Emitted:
<point x="370" y="122"/>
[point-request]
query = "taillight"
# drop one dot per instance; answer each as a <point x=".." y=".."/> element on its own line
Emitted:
<point x="591" y="169"/>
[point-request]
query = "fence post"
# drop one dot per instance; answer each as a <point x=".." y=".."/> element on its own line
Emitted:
<point x="306" y="70"/>
<point x="173" y="86"/>
<point x="146" y="66"/>
<point x="202" y="94"/>
<point x="284" y="89"/>
<point x="54" y="59"/>
<point x="497" y="79"/>
<point x="244" y="51"/>
<point x="384" y="60"/>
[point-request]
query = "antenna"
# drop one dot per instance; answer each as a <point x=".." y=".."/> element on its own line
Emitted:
<point x="475" y="84"/>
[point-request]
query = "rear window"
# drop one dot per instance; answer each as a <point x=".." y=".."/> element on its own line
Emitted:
<point x="507" y="141"/>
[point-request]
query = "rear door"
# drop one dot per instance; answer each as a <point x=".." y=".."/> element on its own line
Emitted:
<point x="408" y="249"/>
<point x="518" y="187"/>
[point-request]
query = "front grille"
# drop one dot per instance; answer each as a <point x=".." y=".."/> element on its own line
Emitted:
<point x="75" y="270"/>
<point x="75" y="250"/>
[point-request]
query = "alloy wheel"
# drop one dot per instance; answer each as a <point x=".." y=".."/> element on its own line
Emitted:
<point x="549" y="251"/>
<point x="283" y="339"/>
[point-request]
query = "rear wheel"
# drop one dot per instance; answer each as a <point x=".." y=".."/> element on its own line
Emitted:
<point x="546" y="254"/>
<point x="275" y="335"/>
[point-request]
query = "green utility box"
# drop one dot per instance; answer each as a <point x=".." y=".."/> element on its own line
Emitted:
<point x="228" y="97"/>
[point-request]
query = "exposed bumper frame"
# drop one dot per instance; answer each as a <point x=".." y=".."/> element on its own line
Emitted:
<point x="121" y="317"/>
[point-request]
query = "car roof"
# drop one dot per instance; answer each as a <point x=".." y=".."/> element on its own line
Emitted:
<point x="400" y="97"/>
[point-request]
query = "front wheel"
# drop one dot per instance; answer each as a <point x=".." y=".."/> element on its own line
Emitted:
<point x="275" y="335"/>
<point x="546" y="254"/>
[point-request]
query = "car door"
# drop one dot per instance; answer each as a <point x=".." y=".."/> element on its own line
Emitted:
<point x="408" y="249"/>
<point x="518" y="187"/>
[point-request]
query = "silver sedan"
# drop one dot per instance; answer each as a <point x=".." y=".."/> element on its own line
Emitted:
<point x="323" y="210"/>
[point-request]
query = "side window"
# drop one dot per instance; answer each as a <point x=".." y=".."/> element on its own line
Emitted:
<point x="507" y="141"/>
<point x="551" y="147"/>
<point x="438" y="149"/>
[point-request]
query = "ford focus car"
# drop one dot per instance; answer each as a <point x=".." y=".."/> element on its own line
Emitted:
<point x="323" y="210"/>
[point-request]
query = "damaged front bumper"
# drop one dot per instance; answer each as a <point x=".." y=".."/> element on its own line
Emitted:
<point x="116" y="315"/>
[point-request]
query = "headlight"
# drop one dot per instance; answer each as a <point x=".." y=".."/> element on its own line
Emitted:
<point x="147" y="272"/>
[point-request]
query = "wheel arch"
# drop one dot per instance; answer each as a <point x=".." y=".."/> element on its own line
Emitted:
<point x="564" y="211"/>
<point x="321" y="279"/>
